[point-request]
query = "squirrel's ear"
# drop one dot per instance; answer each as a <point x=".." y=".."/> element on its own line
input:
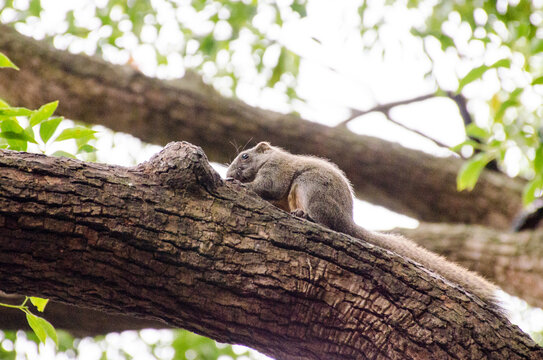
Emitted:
<point x="262" y="146"/>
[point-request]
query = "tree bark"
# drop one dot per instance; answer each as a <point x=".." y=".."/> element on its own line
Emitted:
<point x="511" y="260"/>
<point x="404" y="180"/>
<point x="170" y="240"/>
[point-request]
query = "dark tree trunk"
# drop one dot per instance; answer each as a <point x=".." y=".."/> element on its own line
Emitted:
<point x="122" y="99"/>
<point x="170" y="240"/>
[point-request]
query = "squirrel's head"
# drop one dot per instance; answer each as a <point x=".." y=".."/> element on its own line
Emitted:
<point x="246" y="165"/>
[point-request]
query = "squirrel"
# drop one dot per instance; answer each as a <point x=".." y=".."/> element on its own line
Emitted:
<point x="316" y="189"/>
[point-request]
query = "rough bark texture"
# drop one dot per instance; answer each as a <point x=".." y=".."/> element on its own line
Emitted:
<point x="512" y="260"/>
<point x="170" y="240"/>
<point x="122" y="99"/>
<point x="79" y="322"/>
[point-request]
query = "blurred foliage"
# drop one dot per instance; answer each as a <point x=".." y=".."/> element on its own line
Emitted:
<point x="191" y="346"/>
<point x="496" y="48"/>
<point x="207" y="34"/>
<point x="489" y="42"/>
<point x="502" y="43"/>
<point x="160" y="344"/>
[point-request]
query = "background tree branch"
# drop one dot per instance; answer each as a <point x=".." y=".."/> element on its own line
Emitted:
<point x="404" y="180"/>
<point x="511" y="260"/>
<point x="170" y="240"/>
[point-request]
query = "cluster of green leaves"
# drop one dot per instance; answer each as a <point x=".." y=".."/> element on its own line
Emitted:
<point x="512" y="30"/>
<point x="225" y="21"/>
<point x="40" y="128"/>
<point x="513" y="124"/>
<point x="13" y="136"/>
<point x="41" y="327"/>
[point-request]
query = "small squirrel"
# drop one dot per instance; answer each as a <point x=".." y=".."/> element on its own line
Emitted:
<point x="318" y="190"/>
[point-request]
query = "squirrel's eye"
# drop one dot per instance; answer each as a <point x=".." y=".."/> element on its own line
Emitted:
<point x="245" y="156"/>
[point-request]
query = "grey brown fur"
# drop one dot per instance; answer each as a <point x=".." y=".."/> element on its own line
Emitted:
<point x="317" y="189"/>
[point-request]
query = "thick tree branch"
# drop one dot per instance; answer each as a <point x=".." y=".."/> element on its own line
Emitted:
<point x="170" y="240"/>
<point x="511" y="260"/>
<point x="91" y="90"/>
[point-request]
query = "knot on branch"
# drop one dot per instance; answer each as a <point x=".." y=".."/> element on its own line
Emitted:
<point x="180" y="165"/>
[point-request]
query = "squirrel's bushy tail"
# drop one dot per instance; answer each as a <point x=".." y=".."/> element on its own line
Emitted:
<point x="469" y="280"/>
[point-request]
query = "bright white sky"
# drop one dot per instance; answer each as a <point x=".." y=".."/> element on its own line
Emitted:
<point x="335" y="74"/>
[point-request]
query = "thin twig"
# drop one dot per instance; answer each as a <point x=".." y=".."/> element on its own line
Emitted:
<point x="435" y="141"/>
<point x="383" y="108"/>
<point x="461" y="102"/>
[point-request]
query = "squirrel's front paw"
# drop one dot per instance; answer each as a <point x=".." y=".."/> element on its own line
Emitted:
<point x="302" y="214"/>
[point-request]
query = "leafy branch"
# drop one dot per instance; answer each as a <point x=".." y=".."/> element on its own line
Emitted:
<point x="41" y="327"/>
<point x="14" y="136"/>
<point x="20" y="126"/>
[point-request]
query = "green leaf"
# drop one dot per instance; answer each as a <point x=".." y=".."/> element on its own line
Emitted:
<point x="36" y="326"/>
<point x="279" y="69"/>
<point x="538" y="160"/>
<point x="17" y="145"/>
<point x="11" y="125"/>
<point x="208" y="45"/>
<point x="30" y="132"/>
<point x="63" y="153"/>
<point x="35" y="8"/>
<point x="5" y="62"/>
<point x="39" y="303"/>
<point x="531" y="190"/>
<point x="17" y="136"/>
<point x="475" y="131"/>
<point x="44" y="112"/>
<point x="42" y="328"/>
<point x="473" y="75"/>
<point x="537" y="46"/>
<point x="501" y="63"/>
<point x="468" y="142"/>
<point x="75" y="133"/>
<point x="478" y="72"/>
<point x="470" y="171"/>
<point x="504" y="106"/>
<point x="86" y="148"/>
<point x="299" y="8"/>
<point x="538" y="81"/>
<point x="48" y="127"/>
<point x="84" y="140"/>
<point x="3" y="104"/>
<point x="10" y="129"/>
<point x="15" y="111"/>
